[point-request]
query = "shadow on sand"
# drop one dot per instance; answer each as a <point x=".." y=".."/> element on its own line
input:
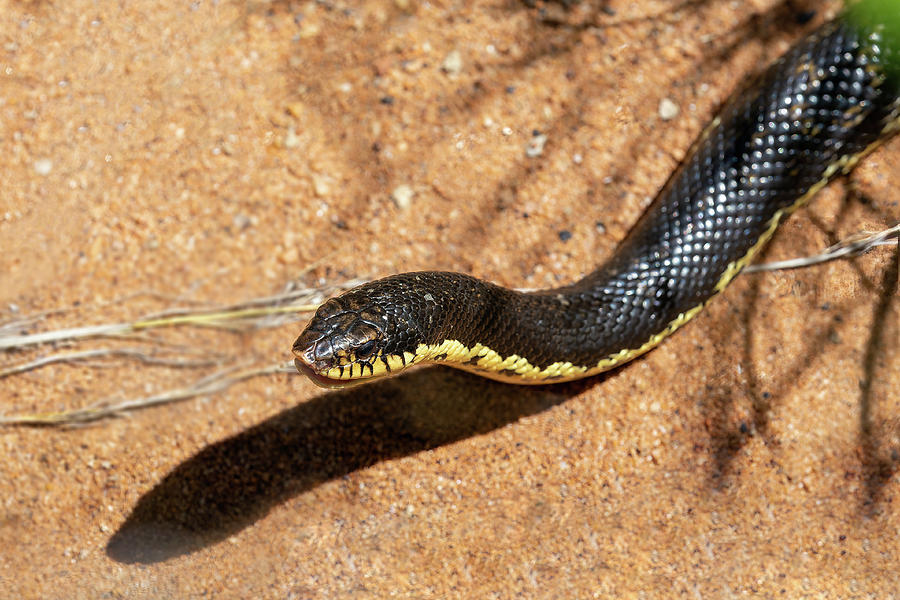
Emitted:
<point x="233" y="483"/>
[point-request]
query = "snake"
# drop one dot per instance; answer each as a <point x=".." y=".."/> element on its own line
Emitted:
<point x="809" y="117"/>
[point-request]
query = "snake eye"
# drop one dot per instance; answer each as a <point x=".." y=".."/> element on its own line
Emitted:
<point x="366" y="350"/>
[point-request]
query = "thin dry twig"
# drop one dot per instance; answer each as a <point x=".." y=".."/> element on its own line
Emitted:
<point x="203" y="387"/>
<point x="256" y="313"/>
<point x="855" y="245"/>
<point x="298" y="295"/>
<point x="86" y="355"/>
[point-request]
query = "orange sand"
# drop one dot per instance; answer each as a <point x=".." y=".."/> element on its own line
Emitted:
<point x="211" y="151"/>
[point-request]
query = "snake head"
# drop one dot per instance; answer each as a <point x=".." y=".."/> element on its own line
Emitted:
<point x="381" y="327"/>
<point x="342" y="342"/>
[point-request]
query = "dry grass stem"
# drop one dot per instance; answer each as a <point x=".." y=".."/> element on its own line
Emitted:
<point x="87" y="355"/>
<point x="256" y="313"/>
<point x="855" y="245"/>
<point x="253" y="314"/>
<point x="203" y="387"/>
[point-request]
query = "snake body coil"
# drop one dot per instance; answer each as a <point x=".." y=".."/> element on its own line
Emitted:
<point x="809" y="117"/>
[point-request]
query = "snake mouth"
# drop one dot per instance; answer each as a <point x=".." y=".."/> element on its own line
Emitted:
<point x="319" y="379"/>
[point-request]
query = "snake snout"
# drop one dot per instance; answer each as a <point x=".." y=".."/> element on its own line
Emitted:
<point x="313" y="349"/>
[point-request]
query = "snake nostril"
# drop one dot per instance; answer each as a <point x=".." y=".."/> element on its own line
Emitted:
<point x="307" y="339"/>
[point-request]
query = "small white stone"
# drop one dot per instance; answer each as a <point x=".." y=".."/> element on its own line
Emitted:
<point x="535" y="146"/>
<point x="402" y="196"/>
<point x="43" y="166"/>
<point x="241" y="222"/>
<point x="291" y="139"/>
<point x="321" y="185"/>
<point x="452" y="64"/>
<point x="668" y="110"/>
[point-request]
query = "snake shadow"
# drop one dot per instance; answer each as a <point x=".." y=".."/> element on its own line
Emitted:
<point x="233" y="483"/>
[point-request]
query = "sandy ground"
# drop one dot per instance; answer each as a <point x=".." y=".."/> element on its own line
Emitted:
<point x="211" y="152"/>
